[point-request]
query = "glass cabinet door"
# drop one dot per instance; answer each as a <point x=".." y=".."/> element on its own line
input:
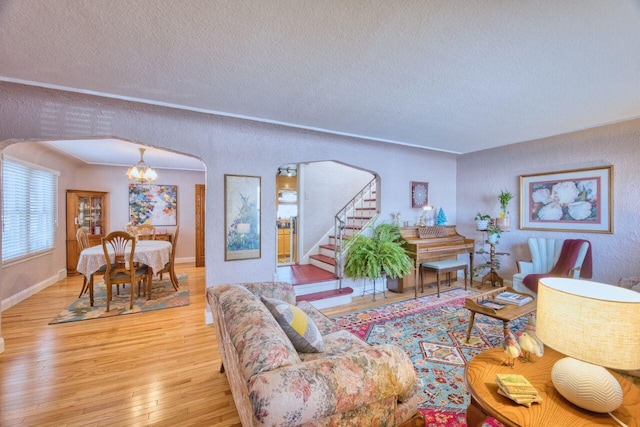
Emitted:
<point x="89" y="214"/>
<point x="96" y="215"/>
<point x="84" y="213"/>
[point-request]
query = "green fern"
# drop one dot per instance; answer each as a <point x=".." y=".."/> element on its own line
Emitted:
<point x="379" y="251"/>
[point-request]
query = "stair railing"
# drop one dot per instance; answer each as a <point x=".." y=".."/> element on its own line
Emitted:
<point x="342" y="222"/>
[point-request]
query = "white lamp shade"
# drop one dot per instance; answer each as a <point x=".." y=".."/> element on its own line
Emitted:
<point x="590" y="321"/>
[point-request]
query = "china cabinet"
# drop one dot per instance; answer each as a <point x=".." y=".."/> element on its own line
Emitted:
<point x="86" y="209"/>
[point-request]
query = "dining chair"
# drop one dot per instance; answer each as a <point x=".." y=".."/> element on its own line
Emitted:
<point x="169" y="267"/>
<point x="83" y="243"/>
<point x="123" y="270"/>
<point x="146" y="232"/>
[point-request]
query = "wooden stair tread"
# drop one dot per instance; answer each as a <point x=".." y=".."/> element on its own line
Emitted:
<point x="324" y="258"/>
<point x="325" y="294"/>
<point x="329" y="247"/>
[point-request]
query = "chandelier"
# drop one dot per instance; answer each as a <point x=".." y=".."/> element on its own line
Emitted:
<point x="141" y="172"/>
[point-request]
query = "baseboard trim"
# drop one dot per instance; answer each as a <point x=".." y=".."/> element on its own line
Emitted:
<point x="32" y="290"/>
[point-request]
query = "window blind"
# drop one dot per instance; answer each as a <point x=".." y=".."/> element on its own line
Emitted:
<point x="29" y="210"/>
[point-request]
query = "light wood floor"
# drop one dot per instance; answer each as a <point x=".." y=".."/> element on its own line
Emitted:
<point x="158" y="368"/>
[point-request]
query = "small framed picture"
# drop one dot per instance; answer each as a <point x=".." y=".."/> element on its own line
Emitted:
<point x="419" y="194"/>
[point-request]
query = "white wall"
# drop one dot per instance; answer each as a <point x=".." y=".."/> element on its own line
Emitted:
<point x="483" y="174"/>
<point x="328" y="186"/>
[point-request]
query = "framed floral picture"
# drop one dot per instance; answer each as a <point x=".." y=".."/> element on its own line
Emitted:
<point x="573" y="200"/>
<point x="153" y="204"/>
<point x="242" y="217"/>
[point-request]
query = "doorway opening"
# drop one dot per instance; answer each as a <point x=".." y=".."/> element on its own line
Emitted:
<point x="287" y="214"/>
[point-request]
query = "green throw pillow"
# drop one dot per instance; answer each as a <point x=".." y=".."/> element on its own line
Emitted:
<point x="300" y="329"/>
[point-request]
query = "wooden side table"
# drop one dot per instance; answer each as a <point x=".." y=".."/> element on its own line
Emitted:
<point x="554" y="410"/>
<point x="492" y="276"/>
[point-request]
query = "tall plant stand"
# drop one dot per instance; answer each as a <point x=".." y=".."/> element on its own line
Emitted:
<point x="492" y="276"/>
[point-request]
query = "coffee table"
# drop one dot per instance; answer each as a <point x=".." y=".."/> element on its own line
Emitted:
<point x="510" y="312"/>
<point x="554" y="410"/>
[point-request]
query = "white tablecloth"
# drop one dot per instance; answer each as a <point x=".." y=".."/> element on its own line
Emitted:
<point x="154" y="253"/>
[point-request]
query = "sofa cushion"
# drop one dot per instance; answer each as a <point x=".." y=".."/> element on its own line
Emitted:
<point x="299" y="327"/>
<point x="323" y="323"/>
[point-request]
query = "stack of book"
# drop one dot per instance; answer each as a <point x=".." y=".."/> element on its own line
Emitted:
<point x="517" y="388"/>
<point x="511" y="298"/>
<point x="491" y="304"/>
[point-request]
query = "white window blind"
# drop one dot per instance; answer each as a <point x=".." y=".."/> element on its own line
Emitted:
<point x="29" y="210"/>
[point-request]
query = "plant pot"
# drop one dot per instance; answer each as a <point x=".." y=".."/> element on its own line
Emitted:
<point x="493" y="238"/>
<point x="482" y="224"/>
<point x="503" y="223"/>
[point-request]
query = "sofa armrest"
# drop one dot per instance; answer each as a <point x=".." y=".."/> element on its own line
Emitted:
<point x="331" y="385"/>
<point x="525" y="267"/>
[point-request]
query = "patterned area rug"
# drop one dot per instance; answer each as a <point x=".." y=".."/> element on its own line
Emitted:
<point x="433" y="332"/>
<point x="162" y="296"/>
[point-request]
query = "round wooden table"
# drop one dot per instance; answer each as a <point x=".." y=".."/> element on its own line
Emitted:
<point x="554" y="410"/>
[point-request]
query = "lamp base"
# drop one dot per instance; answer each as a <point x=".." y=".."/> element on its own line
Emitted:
<point x="588" y="386"/>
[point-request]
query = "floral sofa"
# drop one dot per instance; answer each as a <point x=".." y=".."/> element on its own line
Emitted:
<point x="349" y="383"/>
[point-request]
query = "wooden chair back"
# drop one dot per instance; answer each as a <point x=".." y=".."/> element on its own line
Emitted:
<point x="170" y="266"/>
<point x="123" y="269"/>
<point x="83" y="240"/>
<point x="146" y="232"/>
<point x="174" y="243"/>
<point x="123" y="262"/>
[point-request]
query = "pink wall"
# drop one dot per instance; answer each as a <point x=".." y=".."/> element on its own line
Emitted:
<point x="44" y="269"/>
<point x="483" y="174"/>
<point x="114" y="180"/>
<point x="228" y="146"/>
<point x="78" y="176"/>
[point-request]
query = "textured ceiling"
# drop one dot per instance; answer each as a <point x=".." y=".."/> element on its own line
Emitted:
<point x="452" y="75"/>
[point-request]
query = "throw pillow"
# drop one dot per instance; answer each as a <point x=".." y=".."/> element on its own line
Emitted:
<point x="299" y="327"/>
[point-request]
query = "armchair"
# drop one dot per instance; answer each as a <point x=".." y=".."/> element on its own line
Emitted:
<point x="553" y="257"/>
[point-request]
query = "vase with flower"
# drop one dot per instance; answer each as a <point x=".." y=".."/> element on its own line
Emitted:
<point x="503" y="217"/>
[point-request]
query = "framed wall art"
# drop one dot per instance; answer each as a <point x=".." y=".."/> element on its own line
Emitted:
<point x="419" y="194"/>
<point x="153" y="204"/>
<point x="241" y="217"/>
<point x="578" y="200"/>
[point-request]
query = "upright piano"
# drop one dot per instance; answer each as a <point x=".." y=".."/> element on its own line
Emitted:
<point x="438" y="243"/>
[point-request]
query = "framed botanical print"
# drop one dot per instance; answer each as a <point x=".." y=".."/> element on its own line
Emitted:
<point x="242" y="217"/>
<point x="571" y="200"/>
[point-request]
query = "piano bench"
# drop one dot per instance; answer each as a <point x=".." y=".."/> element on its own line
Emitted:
<point x="445" y="266"/>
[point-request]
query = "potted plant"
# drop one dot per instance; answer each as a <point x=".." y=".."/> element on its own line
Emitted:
<point x="504" y="198"/>
<point x="493" y="233"/>
<point x="482" y="221"/>
<point x="378" y="252"/>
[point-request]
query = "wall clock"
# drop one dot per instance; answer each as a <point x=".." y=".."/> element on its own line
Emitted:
<point x="419" y="194"/>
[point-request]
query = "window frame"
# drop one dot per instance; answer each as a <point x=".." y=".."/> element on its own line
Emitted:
<point x="33" y="178"/>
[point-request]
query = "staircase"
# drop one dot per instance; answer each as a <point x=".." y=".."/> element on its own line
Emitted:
<point x="351" y="220"/>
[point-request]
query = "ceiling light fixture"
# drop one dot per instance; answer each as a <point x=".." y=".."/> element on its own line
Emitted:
<point x="287" y="171"/>
<point x="141" y="172"/>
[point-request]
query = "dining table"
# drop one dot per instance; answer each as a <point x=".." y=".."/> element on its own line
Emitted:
<point x="155" y="254"/>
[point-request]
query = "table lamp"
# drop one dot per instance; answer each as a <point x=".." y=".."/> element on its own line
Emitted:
<point x="597" y="326"/>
